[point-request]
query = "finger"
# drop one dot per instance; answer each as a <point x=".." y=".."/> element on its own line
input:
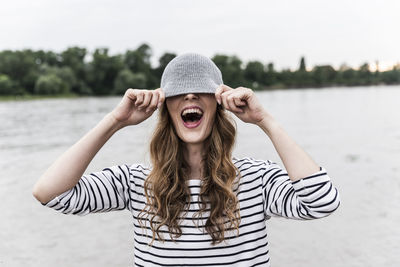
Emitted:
<point x="146" y="99"/>
<point x="241" y="94"/>
<point x="239" y="102"/>
<point x="232" y="105"/>
<point x="219" y="91"/>
<point x="245" y="93"/>
<point x="139" y="98"/>
<point x="161" y="97"/>
<point x="131" y="94"/>
<point x="154" y="101"/>
<point x="224" y="99"/>
<point x="226" y="87"/>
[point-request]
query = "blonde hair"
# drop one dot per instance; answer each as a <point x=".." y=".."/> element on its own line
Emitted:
<point x="166" y="190"/>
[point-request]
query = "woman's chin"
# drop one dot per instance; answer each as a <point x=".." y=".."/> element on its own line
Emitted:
<point x="193" y="141"/>
<point x="193" y="138"/>
<point x="195" y="135"/>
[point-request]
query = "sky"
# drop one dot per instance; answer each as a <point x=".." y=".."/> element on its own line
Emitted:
<point x="281" y="32"/>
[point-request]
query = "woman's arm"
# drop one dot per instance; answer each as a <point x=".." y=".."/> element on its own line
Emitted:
<point x="298" y="163"/>
<point x="66" y="171"/>
<point x="244" y="104"/>
<point x="304" y="190"/>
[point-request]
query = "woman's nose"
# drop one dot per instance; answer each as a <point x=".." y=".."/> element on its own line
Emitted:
<point x="191" y="96"/>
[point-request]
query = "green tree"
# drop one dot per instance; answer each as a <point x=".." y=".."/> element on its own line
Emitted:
<point x="47" y="57"/>
<point x="74" y="58"/>
<point x="20" y="67"/>
<point x="270" y="76"/>
<point x="138" y="61"/>
<point x="346" y="76"/>
<point x="254" y="74"/>
<point x="391" y="76"/>
<point x="231" y="69"/>
<point x="286" y="78"/>
<point x="302" y="78"/>
<point x="365" y="76"/>
<point x="7" y="86"/>
<point x="102" y="71"/>
<point x="127" y="79"/>
<point x="323" y="75"/>
<point x="162" y="63"/>
<point x="50" y="84"/>
<point x="165" y="59"/>
<point x="302" y="64"/>
<point x="66" y="75"/>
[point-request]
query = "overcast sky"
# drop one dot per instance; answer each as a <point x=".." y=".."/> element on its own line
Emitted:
<point x="280" y="31"/>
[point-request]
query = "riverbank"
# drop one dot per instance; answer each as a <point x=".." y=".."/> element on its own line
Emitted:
<point x="39" y="97"/>
<point x="35" y="97"/>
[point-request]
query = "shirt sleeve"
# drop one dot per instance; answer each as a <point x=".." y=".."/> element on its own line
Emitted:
<point x="311" y="197"/>
<point x="102" y="191"/>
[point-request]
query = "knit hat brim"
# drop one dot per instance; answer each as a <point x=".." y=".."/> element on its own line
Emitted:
<point x="174" y="89"/>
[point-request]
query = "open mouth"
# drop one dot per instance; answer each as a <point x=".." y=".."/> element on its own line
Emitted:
<point x="192" y="117"/>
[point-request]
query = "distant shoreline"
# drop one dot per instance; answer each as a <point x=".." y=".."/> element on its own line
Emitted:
<point x="28" y="97"/>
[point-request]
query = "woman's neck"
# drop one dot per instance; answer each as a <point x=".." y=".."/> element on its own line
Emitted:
<point x="194" y="158"/>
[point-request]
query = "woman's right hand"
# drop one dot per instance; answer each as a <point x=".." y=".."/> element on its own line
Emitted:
<point x="137" y="105"/>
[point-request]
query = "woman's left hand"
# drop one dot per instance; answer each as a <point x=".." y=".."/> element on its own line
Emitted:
<point x="242" y="102"/>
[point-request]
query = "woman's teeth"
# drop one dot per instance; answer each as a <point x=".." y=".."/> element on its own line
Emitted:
<point x="192" y="110"/>
<point x="192" y="115"/>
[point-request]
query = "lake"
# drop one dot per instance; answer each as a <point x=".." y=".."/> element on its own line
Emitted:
<point x="353" y="132"/>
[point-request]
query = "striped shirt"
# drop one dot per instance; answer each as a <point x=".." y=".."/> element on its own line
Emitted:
<point x="263" y="189"/>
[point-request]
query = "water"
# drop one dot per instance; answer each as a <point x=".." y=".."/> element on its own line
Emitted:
<point x="353" y="132"/>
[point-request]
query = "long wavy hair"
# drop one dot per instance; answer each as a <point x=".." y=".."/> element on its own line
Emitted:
<point x="168" y="195"/>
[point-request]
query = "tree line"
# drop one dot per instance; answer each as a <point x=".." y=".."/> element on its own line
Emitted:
<point x="76" y="71"/>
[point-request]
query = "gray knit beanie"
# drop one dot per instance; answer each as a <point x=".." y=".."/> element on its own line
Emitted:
<point x="190" y="73"/>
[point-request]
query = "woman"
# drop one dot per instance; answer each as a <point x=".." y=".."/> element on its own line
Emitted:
<point x="196" y="205"/>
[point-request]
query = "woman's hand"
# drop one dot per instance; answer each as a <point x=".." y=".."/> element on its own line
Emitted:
<point x="242" y="102"/>
<point x="137" y="105"/>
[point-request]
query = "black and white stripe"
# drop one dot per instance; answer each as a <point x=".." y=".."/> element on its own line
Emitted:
<point x="264" y="190"/>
